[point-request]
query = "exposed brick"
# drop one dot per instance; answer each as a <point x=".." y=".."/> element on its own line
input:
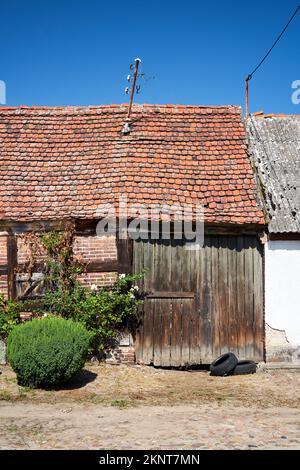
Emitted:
<point x="3" y="261"/>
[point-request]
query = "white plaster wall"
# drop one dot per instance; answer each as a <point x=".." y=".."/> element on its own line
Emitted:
<point x="282" y="287"/>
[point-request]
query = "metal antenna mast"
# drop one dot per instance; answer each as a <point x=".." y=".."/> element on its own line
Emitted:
<point x="133" y="88"/>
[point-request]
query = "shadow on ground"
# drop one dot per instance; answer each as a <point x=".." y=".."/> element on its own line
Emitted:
<point x="80" y="380"/>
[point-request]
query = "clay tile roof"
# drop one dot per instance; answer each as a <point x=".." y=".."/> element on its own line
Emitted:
<point x="66" y="161"/>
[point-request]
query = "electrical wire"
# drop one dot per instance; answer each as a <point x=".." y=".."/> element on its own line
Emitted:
<point x="274" y="44"/>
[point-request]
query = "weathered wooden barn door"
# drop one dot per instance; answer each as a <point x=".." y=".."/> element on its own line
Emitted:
<point x="200" y="303"/>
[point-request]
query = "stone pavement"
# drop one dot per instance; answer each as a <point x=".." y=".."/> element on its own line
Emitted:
<point x="207" y="426"/>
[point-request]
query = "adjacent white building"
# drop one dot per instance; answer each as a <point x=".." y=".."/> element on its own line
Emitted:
<point x="274" y="147"/>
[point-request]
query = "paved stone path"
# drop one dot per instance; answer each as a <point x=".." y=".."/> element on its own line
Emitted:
<point x="87" y="426"/>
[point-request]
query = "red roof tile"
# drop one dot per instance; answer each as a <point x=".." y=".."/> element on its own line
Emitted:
<point x="65" y="162"/>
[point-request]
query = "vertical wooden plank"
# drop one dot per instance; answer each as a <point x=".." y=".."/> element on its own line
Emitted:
<point x="216" y="305"/>
<point x="200" y="298"/>
<point x="157" y="332"/>
<point x="195" y="349"/>
<point x="241" y="336"/>
<point x="223" y="293"/>
<point x="165" y="309"/>
<point x="232" y="291"/>
<point x="176" y="340"/>
<point x="206" y="301"/>
<point x="185" y="286"/>
<point x="148" y="331"/>
<point x="12" y="261"/>
<point x="166" y="267"/>
<point x="148" y="306"/>
<point x="138" y="266"/>
<point x="125" y="255"/>
<point x="249" y="297"/>
<point x="258" y="319"/>
<point x="176" y="285"/>
<point x="185" y="333"/>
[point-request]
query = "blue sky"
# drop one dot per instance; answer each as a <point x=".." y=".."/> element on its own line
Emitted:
<point x="72" y="52"/>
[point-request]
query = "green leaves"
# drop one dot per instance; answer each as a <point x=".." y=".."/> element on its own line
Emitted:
<point x="9" y="315"/>
<point x="104" y="312"/>
<point x="47" y="351"/>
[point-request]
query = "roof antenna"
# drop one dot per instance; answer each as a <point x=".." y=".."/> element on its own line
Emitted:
<point x="247" y="93"/>
<point x="135" y="88"/>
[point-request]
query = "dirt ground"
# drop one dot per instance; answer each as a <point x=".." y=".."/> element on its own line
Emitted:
<point x="121" y="407"/>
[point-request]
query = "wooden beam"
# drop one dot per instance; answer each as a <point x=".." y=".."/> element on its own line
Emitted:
<point x="95" y="266"/>
<point x="12" y="261"/>
<point x="125" y="255"/>
<point x="3" y="269"/>
<point x="170" y="295"/>
<point x="108" y="266"/>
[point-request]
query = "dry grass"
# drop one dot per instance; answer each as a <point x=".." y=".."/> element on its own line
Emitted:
<point x="123" y="386"/>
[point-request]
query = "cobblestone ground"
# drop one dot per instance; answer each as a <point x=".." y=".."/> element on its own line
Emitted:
<point x="118" y="407"/>
<point x="179" y="427"/>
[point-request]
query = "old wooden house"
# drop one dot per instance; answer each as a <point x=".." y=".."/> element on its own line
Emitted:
<point x="64" y="163"/>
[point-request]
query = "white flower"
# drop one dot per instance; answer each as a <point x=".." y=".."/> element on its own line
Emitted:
<point x="94" y="287"/>
<point x="45" y="315"/>
<point x="132" y="296"/>
<point x="136" y="288"/>
<point x="121" y="276"/>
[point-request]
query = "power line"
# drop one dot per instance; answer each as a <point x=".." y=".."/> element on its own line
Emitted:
<point x="274" y="44"/>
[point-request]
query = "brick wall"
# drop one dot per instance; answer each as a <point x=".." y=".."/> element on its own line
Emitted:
<point x="96" y="248"/>
<point x="86" y="248"/>
<point x="3" y="261"/>
<point x="100" y="279"/>
<point x="23" y="251"/>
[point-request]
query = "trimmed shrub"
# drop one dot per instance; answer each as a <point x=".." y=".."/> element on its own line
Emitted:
<point x="48" y="351"/>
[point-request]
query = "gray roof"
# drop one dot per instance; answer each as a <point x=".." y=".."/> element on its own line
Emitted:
<point x="274" y="147"/>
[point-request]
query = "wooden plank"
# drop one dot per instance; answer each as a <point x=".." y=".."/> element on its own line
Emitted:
<point x="258" y="323"/>
<point x="108" y="266"/>
<point x="195" y="349"/>
<point x="176" y="263"/>
<point x="216" y="305"/>
<point x="249" y="299"/>
<point x="94" y="266"/>
<point x="137" y="268"/>
<point x="125" y="255"/>
<point x="223" y="293"/>
<point x="186" y="331"/>
<point x="165" y="312"/>
<point x="3" y="269"/>
<point x="12" y="260"/>
<point x="206" y="304"/>
<point x="171" y="295"/>
<point x="176" y="283"/>
<point x="241" y="333"/>
<point x="148" y="306"/>
<point x="165" y="269"/>
<point x="176" y="331"/>
<point x="232" y="300"/>
<point x="147" y="352"/>
<point x="157" y="332"/>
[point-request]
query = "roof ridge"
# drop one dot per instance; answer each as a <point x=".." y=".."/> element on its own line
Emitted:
<point x="261" y="114"/>
<point x="120" y="106"/>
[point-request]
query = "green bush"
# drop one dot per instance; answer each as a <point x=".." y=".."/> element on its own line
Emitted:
<point x="9" y="316"/>
<point x="105" y="311"/>
<point x="48" y="351"/>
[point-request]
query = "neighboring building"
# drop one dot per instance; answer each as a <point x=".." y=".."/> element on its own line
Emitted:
<point x="274" y="146"/>
<point x="64" y="163"/>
